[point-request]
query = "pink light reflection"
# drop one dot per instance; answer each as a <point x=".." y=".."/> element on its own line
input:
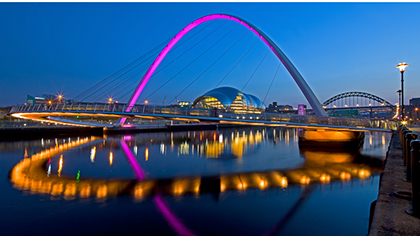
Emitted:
<point x="169" y="46"/>
<point x="173" y="221"/>
<point x="123" y="119"/>
<point x="133" y="162"/>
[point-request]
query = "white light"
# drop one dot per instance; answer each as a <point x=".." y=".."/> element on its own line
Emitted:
<point x="162" y="148"/>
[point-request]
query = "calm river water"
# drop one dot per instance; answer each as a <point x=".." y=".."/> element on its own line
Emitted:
<point x="245" y="181"/>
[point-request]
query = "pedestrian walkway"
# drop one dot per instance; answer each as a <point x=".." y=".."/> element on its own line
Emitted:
<point x="389" y="216"/>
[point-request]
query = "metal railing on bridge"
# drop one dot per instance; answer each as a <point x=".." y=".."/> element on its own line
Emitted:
<point x="171" y="111"/>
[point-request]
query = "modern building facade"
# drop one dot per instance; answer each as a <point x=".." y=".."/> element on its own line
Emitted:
<point x="46" y="99"/>
<point x="230" y="100"/>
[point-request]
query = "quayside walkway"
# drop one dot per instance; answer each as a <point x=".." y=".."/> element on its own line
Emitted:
<point x="389" y="216"/>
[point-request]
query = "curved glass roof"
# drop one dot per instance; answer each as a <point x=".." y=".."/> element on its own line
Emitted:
<point x="226" y="96"/>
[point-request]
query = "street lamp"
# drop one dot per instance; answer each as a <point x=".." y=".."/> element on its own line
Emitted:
<point x="399" y="102"/>
<point x="402" y="67"/>
<point x="144" y="106"/>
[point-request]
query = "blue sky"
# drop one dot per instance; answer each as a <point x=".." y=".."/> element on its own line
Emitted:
<point x="337" y="47"/>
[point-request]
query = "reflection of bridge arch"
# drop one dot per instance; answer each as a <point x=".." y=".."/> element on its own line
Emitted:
<point x="356" y="99"/>
<point x="310" y="96"/>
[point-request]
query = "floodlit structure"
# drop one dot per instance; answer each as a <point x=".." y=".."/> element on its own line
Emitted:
<point x="300" y="81"/>
<point x="229" y="99"/>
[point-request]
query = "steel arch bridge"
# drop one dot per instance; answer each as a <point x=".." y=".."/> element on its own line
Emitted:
<point x="353" y="97"/>
<point x="54" y="112"/>
<point x="300" y="81"/>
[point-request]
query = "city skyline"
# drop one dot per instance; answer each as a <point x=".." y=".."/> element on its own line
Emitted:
<point x="51" y="48"/>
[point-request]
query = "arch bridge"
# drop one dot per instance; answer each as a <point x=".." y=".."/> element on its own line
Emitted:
<point x="58" y="113"/>
<point x="355" y="99"/>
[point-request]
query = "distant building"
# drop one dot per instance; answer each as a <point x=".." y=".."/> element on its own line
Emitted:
<point x="230" y="100"/>
<point x="415" y="102"/>
<point x="274" y="108"/>
<point x="46" y="99"/>
<point x="412" y="110"/>
<point x="301" y="109"/>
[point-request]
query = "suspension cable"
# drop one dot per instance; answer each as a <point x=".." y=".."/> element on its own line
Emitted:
<point x="122" y="69"/>
<point x="255" y="70"/>
<point x="192" y="61"/>
<point x="125" y="72"/>
<point x="131" y="90"/>
<point x="210" y="66"/>
<point x="134" y="62"/>
<point x="278" y="67"/>
<point x="256" y="41"/>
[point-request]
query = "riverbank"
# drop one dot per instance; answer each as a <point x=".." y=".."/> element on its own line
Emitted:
<point x="25" y="133"/>
<point x="389" y="216"/>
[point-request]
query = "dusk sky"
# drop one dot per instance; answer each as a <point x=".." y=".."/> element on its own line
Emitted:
<point x="50" y="48"/>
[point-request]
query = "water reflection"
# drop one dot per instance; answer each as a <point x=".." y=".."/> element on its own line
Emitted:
<point x="318" y="166"/>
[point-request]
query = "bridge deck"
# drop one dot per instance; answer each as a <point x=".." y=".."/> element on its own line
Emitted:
<point x="54" y="113"/>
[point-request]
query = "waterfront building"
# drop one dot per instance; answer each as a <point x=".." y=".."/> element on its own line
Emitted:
<point x="230" y="100"/>
<point x="274" y="107"/>
<point x="46" y="99"/>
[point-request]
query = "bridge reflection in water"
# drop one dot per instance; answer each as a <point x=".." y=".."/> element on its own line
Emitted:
<point x="34" y="174"/>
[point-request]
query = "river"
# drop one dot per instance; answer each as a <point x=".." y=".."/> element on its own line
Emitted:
<point x="239" y="181"/>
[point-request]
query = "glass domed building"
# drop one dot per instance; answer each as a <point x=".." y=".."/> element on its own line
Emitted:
<point x="231" y="100"/>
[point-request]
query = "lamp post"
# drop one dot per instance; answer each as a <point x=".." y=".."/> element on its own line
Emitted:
<point x="145" y="104"/>
<point x="399" y="102"/>
<point x="402" y="67"/>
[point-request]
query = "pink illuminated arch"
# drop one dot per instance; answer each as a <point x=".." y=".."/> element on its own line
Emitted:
<point x="310" y="96"/>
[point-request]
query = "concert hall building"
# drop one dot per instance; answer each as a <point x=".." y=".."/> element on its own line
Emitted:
<point x="230" y="100"/>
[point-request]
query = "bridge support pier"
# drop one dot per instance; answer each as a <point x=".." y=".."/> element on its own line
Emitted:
<point x="331" y="139"/>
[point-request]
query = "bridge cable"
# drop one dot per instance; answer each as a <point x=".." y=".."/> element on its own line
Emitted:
<point x="119" y="76"/>
<point x="192" y="61"/>
<point x="120" y="70"/>
<point x="125" y="80"/>
<point x="271" y="83"/>
<point x="139" y="63"/>
<point x="255" y="70"/>
<point x="131" y="91"/>
<point x="256" y="41"/>
<point x="147" y="66"/>
<point x="210" y="66"/>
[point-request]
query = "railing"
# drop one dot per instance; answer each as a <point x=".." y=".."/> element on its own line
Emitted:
<point x="215" y="114"/>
